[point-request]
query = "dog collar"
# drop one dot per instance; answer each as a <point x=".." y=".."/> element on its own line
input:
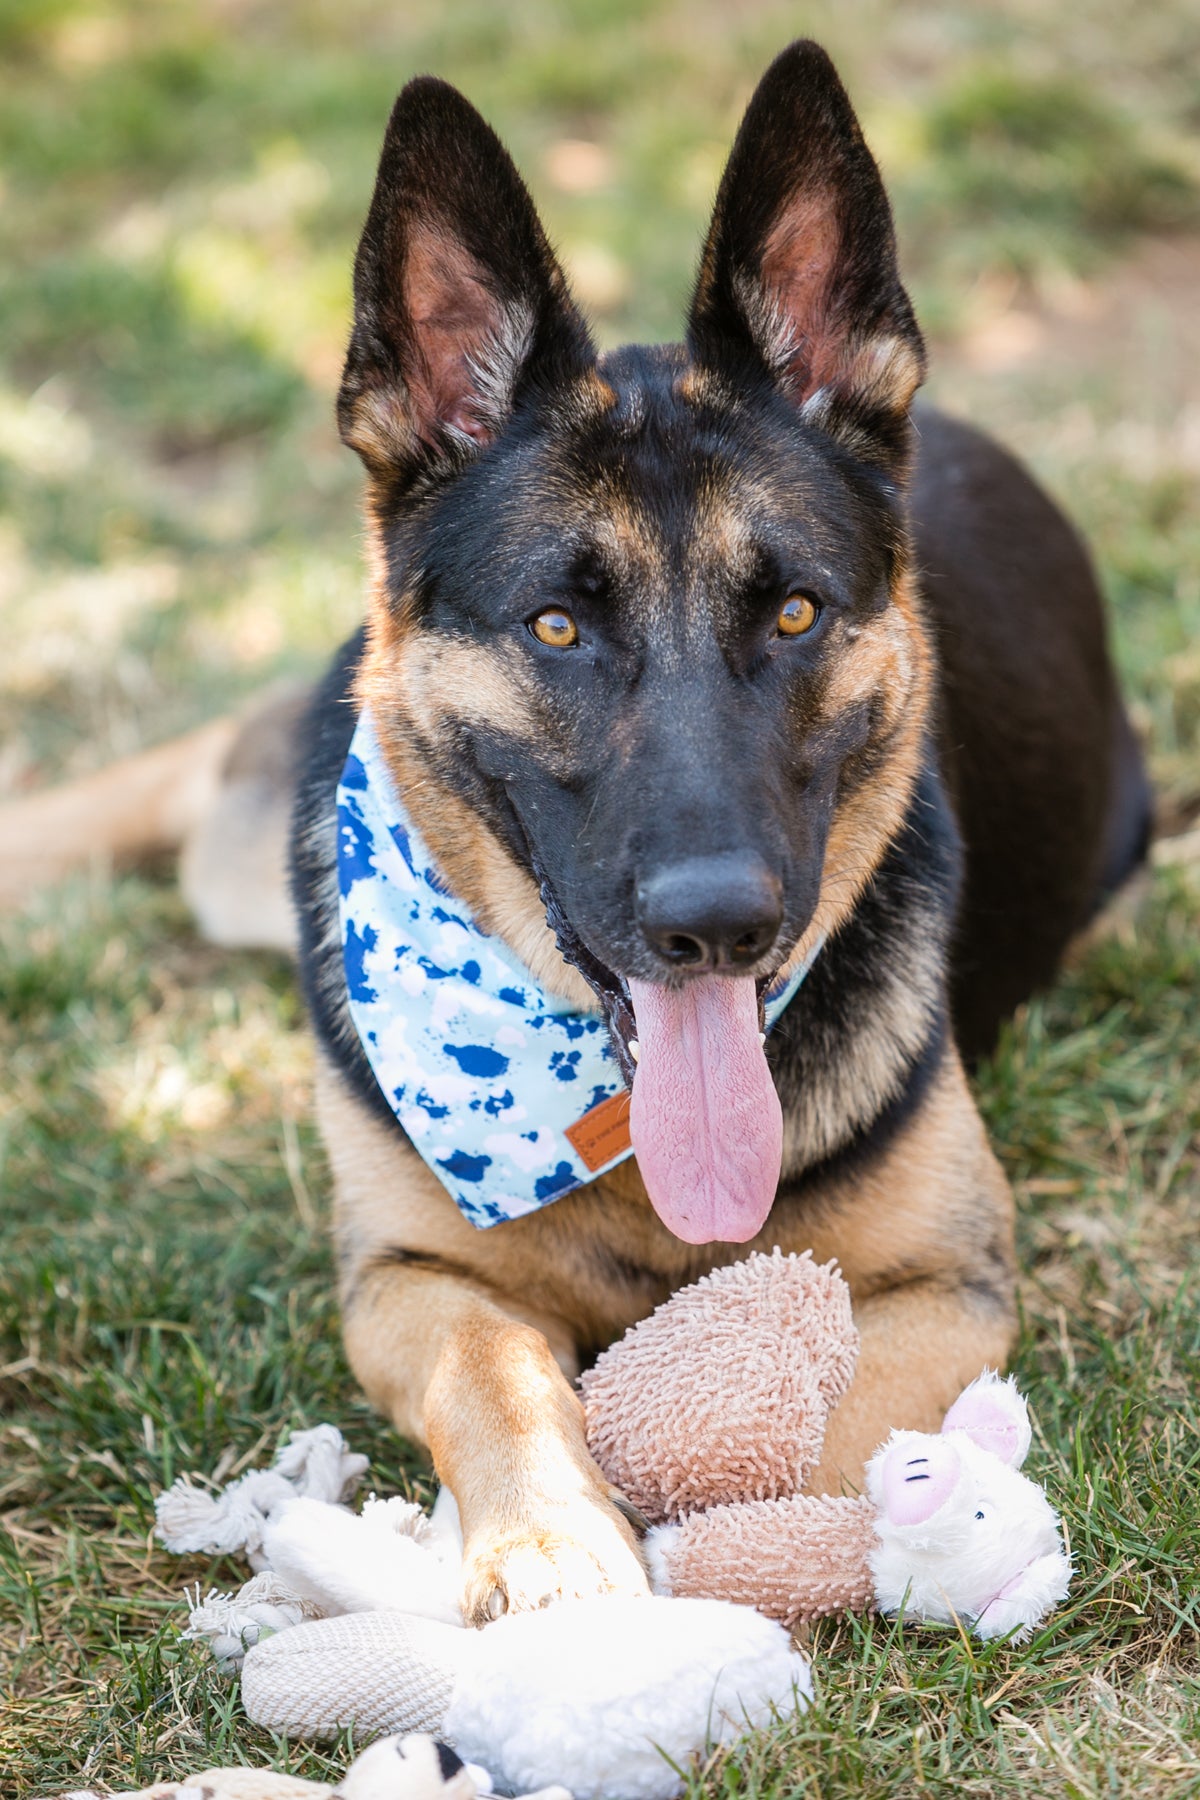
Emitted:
<point x="511" y="1094"/>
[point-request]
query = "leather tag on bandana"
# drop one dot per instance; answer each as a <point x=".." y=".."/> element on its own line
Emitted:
<point x="603" y="1132"/>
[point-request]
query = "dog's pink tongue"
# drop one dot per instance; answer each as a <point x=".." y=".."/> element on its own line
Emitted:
<point x="705" y="1120"/>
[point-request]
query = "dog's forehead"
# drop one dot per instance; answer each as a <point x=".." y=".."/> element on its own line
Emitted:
<point x="667" y="465"/>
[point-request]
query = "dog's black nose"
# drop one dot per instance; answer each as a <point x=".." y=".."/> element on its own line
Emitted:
<point x="717" y="912"/>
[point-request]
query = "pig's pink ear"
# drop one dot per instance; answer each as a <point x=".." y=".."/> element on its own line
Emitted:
<point x="994" y="1416"/>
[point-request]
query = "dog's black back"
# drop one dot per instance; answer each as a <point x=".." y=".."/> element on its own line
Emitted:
<point x="1038" y="753"/>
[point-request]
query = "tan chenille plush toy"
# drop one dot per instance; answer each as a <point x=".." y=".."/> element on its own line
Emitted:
<point x="711" y="1415"/>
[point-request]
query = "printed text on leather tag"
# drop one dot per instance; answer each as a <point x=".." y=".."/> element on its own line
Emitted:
<point x="603" y="1132"/>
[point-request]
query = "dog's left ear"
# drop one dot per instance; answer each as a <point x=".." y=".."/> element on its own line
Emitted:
<point x="799" y="274"/>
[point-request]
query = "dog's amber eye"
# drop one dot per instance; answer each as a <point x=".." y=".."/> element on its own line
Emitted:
<point x="556" y="628"/>
<point x="797" y="615"/>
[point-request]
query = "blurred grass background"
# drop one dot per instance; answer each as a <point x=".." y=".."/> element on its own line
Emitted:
<point x="180" y="191"/>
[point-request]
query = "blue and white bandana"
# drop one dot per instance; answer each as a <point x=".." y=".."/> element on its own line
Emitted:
<point x="486" y="1070"/>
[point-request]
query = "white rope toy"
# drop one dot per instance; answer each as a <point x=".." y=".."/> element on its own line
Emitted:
<point x="315" y="1463"/>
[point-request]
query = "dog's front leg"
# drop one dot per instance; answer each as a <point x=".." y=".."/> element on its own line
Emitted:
<point x="458" y="1363"/>
<point x="484" y="1391"/>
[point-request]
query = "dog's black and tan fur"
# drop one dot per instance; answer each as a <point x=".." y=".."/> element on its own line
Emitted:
<point x="937" y="776"/>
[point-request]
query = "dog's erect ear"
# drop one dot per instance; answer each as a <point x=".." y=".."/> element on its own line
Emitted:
<point x="458" y="300"/>
<point x="799" y="271"/>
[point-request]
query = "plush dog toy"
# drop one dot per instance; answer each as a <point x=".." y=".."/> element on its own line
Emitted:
<point x="394" y="1768"/>
<point x="709" y="1415"/>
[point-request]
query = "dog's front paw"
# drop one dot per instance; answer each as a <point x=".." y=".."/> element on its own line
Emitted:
<point x="582" y="1550"/>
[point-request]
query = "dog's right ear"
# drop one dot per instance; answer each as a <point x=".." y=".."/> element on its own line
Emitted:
<point x="458" y="301"/>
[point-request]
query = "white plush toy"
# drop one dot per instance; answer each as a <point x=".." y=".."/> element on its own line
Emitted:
<point x="611" y="1695"/>
<point x="962" y="1533"/>
<point x="356" y="1619"/>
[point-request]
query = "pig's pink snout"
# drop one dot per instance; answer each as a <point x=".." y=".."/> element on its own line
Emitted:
<point x="917" y="1476"/>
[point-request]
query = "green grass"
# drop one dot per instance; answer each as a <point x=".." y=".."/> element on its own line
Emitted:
<point x="179" y="192"/>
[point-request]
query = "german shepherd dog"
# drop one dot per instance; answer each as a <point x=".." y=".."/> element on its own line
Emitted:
<point x="688" y="662"/>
